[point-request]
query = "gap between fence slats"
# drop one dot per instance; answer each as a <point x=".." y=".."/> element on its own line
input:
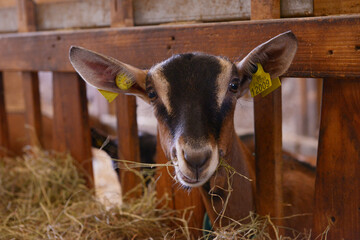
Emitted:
<point x="33" y="120"/>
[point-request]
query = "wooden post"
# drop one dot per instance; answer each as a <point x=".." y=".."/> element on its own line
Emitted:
<point x="337" y="194"/>
<point x="122" y="13"/>
<point x="128" y="146"/>
<point x="30" y="81"/>
<point x="128" y="140"/>
<point x="26" y="16"/>
<point x="268" y="134"/>
<point x="71" y="131"/>
<point x="4" y="134"/>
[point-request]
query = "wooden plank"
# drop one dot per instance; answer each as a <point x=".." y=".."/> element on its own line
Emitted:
<point x="265" y="9"/>
<point x="127" y="130"/>
<point x="299" y="8"/>
<point x="26" y="16"/>
<point x="4" y="134"/>
<point x="71" y="130"/>
<point x="268" y="153"/>
<point x="30" y="81"/>
<point x="268" y="134"/>
<point x="12" y="3"/>
<point x="332" y="7"/>
<point x="322" y="50"/>
<point x="122" y="13"/>
<point x="33" y="120"/>
<point x="164" y="11"/>
<point x="8" y="19"/>
<point x="128" y="147"/>
<point x="7" y="3"/>
<point x="73" y="14"/>
<point x="337" y="196"/>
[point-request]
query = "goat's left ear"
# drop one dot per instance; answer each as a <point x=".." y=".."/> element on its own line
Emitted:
<point x="275" y="56"/>
<point x="101" y="72"/>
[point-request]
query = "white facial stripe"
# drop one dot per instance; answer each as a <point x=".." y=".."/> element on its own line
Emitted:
<point x="222" y="80"/>
<point x="161" y="86"/>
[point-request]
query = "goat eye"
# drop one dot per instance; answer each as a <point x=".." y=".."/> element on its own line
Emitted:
<point x="234" y="85"/>
<point x="152" y="94"/>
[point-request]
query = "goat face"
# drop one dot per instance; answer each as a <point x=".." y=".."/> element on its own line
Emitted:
<point x="193" y="96"/>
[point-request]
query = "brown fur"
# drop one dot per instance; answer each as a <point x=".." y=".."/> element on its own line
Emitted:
<point x="298" y="186"/>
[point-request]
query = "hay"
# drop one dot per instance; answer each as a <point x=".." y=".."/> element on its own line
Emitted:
<point x="43" y="196"/>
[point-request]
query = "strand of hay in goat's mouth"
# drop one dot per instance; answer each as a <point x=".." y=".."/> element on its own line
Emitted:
<point x="43" y="196"/>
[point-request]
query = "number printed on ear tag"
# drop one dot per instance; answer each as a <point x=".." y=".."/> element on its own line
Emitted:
<point x="261" y="81"/>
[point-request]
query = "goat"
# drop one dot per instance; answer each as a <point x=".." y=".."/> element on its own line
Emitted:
<point x="194" y="97"/>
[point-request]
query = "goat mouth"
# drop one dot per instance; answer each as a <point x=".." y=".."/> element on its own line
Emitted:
<point x="187" y="179"/>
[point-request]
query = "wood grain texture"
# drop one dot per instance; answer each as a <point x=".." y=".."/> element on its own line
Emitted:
<point x="33" y="121"/>
<point x="268" y="153"/>
<point x="128" y="147"/>
<point x="322" y="50"/>
<point x="71" y="130"/>
<point x="337" y="196"/>
<point x="265" y="9"/>
<point x="26" y="16"/>
<point x="4" y="134"/>
<point x="122" y="13"/>
<point x="332" y="7"/>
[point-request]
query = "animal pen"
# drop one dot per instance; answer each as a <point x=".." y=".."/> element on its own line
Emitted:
<point x="329" y="48"/>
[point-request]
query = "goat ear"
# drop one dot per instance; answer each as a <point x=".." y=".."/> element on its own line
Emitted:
<point x="274" y="55"/>
<point x="101" y="72"/>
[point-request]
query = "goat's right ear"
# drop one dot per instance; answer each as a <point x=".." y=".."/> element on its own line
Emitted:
<point x="101" y="72"/>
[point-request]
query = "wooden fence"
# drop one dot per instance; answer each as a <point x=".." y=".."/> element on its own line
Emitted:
<point x="329" y="48"/>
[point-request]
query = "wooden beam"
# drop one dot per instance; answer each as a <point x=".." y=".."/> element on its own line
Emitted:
<point x="337" y="196"/>
<point x="4" y="134"/>
<point x="71" y="131"/>
<point x="268" y="135"/>
<point x="322" y="50"/>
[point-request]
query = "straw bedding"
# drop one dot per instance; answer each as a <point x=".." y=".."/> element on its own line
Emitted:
<point x="43" y="196"/>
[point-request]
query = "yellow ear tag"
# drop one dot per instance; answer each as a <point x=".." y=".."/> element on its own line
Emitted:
<point x="260" y="81"/>
<point x="110" y="96"/>
<point x="275" y="83"/>
<point x="123" y="81"/>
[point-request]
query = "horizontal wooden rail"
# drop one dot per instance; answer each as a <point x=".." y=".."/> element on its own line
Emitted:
<point x="328" y="46"/>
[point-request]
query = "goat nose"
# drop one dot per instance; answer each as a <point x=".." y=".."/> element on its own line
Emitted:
<point x="197" y="159"/>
